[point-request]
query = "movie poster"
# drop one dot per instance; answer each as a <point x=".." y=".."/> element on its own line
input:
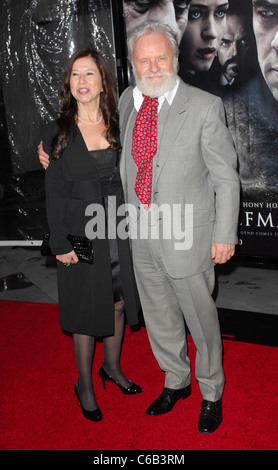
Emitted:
<point x="230" y="49"/>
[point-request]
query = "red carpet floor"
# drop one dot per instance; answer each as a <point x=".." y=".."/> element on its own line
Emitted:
<point x="39" y="410"/>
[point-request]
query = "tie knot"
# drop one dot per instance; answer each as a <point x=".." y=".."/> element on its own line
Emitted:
<point x="150" y="100"/>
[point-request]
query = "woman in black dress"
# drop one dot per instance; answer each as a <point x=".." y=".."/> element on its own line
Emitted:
<point x="84" y="149"/>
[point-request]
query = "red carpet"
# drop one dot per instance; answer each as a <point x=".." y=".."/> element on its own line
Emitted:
<point x="39" y="410"/>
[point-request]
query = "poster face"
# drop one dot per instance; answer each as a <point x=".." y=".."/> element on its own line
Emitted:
<point x="230" y="49"/>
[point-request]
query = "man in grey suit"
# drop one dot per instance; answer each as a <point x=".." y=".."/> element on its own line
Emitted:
<point x="193" y="167"/>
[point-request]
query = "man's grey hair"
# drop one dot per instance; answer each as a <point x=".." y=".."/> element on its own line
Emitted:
<point x="148" y="27"/>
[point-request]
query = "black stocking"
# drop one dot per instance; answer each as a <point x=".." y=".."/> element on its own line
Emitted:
<point x="84" y="349"/>
<point x="113" y="345"/>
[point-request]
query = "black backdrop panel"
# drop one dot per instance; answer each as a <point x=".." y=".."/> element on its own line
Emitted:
<point x="38" y="37"/>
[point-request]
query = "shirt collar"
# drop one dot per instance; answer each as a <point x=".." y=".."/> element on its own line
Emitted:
<point x="224" y="81"/>
<point x="169" y="96"/>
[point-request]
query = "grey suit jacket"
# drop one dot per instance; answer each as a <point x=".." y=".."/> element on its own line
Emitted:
<point x="197" y="169"/>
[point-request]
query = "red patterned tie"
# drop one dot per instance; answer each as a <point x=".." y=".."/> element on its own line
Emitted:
<point x="144" y="147"/>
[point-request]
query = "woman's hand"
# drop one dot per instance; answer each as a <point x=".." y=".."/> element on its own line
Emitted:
<point x="68" y="258"/>
<point x="43" y="157"/>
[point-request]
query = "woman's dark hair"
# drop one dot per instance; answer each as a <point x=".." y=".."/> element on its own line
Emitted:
<point x="68" y="111"/>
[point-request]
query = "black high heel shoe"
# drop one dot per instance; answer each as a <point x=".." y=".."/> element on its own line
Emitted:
<point x="132" y="390"/>
<point x="94" y="415"/>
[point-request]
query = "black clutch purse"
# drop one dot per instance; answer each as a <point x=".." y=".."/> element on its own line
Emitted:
<point x="82" y="246"/>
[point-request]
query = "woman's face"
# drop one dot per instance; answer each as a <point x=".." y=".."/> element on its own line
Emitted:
<point x="202" y="38"/>
<point x="85" y="81"/>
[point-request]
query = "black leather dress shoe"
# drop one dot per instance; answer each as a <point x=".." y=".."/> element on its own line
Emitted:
<point x="167" y="400"/>
<point x="210" y="416"/>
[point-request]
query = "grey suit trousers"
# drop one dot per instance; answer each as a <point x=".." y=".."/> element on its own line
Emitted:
<point x="167" y="304"/>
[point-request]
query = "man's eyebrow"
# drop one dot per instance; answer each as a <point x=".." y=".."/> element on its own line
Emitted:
<point x="265" y="4"/>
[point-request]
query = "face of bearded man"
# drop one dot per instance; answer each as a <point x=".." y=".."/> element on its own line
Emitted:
<point x="265" y="24"/>
<point x="154" y="64"/>
<point x="233" y="46"/>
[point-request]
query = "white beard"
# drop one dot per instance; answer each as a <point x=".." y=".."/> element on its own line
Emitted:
<point x="155" y="90"/>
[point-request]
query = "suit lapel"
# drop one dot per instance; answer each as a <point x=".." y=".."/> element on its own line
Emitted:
<point x="125" y="118"/>
<point x="177" y="114"/>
